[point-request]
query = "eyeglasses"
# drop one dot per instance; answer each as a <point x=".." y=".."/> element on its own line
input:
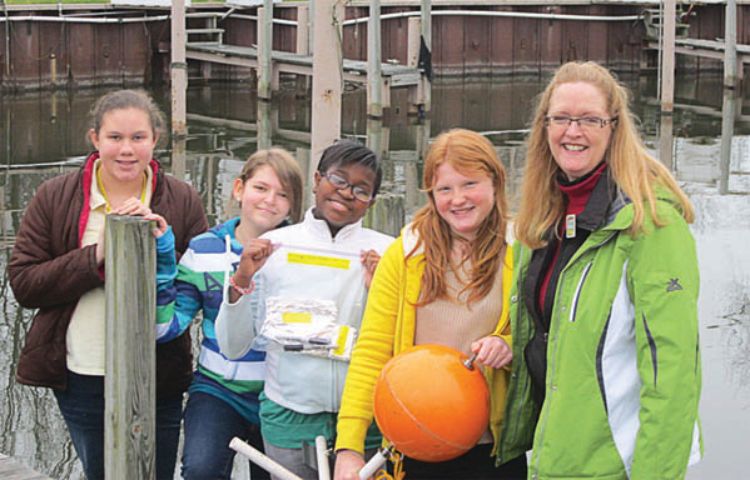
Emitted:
<point x="583" y="122"/>
<point x="340" y="183"/>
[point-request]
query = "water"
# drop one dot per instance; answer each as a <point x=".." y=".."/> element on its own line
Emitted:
<point x="48" y="129"/>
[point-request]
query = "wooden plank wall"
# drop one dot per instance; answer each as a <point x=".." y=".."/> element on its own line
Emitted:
<point x="91" y="55"/>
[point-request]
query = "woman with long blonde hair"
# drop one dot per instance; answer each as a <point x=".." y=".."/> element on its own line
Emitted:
<point x="446" y="281"/>
<point x="606" y="283"/>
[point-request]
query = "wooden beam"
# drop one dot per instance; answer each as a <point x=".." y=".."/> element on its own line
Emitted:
<point x="265" y="48"/>
<point x="130" y="378"/>
<point x="327" y="76"/>
<point x="669" y="21"/>
<point x="178" y="69"/>
<point x="374" y="62"/>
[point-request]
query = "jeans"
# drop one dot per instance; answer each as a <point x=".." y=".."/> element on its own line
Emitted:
<point x="82" y="408"/>
<point x="210" y="424"/>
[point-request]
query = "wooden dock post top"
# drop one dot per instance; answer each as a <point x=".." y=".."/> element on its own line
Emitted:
<point x="130" y="345"/>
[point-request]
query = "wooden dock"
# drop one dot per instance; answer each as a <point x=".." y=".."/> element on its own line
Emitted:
<point x="708" y="49"/>
<point x="394" y="76"/>
<point x="11" y="469"/>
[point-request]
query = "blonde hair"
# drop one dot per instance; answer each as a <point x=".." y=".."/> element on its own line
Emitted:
<point x="635" y="172"/>
<point x="470" y="153"/>
<point x="285" y="167"/>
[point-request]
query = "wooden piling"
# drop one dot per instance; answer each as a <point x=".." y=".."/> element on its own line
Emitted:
<point x="667" y="82"/>
<point x="374" y="62"/>
<point x="386" y="214"/>
<point x="130" y="378"/>
<point x="327" y="76"/>
<point x="11" y="469"/>
<point x="303" y="45"/>
<point x="426" y="23"/>
<point x="730" y="45"/>
<point x="178" y="69"/>
<point x="413" y="43"/>
<point x="265" y="46"/>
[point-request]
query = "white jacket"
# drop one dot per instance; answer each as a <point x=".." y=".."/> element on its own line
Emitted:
<point x="311" y="264"/>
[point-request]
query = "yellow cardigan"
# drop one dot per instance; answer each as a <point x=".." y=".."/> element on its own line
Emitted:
<point x="388" y="328"/>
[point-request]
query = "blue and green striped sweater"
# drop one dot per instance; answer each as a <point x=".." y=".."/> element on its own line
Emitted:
<point x="197" y="284"/>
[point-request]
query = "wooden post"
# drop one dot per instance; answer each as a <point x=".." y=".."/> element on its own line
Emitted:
<point x="426" y="83"/>
<point x="727" y="132"/>
<point x="265" y="47"/>
<point x="130" y="378"/>
<point x="179" y="156"/>
<point x="667" y="82"/>
<point x="178" y="69"/>
<point x="374" y="63"/>
<point x="303" y="45"/>
<point x="386" y="214"/>
<point x="730" y="45"/>
<point x="265" y="130"/>
<point x="413" y="42"/>
<point x="327" y="76"/>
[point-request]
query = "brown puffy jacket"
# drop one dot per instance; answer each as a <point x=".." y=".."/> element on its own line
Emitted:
<point x="50" y="271"/>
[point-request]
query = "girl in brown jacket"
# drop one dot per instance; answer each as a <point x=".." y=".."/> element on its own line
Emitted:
<point x="57" y="268"/>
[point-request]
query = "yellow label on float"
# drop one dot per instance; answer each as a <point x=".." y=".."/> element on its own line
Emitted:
<point x="318" y="260"/>
<point x="296" y="317"/>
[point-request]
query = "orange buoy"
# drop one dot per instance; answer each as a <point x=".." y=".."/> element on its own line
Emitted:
<point x="430" y="405"/>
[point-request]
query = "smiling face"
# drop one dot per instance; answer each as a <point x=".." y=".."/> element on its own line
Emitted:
<point x="125" y="142"/>
<point x="577" y="150"/>
<point x="263" y="199"/>
<point x="339" y="207"/>
<point x="464" y="201"/>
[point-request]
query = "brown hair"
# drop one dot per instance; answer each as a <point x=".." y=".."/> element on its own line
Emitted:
<point x="123" y="99"/>
<point x="470" y="153"/>
<point x="285" y="167"/>
<point x="635" y="172"/>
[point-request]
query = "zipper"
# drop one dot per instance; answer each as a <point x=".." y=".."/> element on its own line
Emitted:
<point x="544" y="415"/>
<point x="516" y="424"/>
<point x="576" y="295"/>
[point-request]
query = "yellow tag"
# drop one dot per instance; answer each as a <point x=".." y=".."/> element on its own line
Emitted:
<point x="318" y="260"/>
<point x="296" y="317"/>
<point x="341" y="341"/>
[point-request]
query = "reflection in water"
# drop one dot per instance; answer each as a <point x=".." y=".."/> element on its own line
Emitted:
<point x="227" y="123"/>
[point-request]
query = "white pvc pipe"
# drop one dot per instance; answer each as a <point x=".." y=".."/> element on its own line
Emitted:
<point x="38" y="18"/>
<point x="261" y="460"/>
<point x="321" y="455"/>
<point x="372" y="466"/>
<point x="483" y="13"/>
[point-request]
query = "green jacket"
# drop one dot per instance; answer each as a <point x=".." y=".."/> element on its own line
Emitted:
<point x="623" y="372"/>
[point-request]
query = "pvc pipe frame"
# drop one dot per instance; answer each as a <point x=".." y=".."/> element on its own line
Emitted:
<point x="261" y="460"/>
<point x="354" y="21"/>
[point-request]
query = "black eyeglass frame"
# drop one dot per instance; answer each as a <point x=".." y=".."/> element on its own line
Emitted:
<point x="340" y="183"/>
<point x="566" y="121"/>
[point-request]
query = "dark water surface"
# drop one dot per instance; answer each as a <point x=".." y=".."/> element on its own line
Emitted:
<point x="42" y="135"/>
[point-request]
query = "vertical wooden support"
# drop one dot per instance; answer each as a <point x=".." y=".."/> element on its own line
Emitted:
<point x="728" y="110"/>
<point x="426" y="83"/>
<point x="327" y="75"/>
<point x="667" y="83"/>
<point x="730" y="45"/>
<point x="303" y="45"/>
<point x="386" y="214"/>
<point x="179" y="156"/>
<point x="178" y="69"/>
<point x="265" y="47"/>
<point x="265" y="130"/>
<point x="413" y="41"/>
<point x="374" y="62"/>
<point x="130" y="378"/>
